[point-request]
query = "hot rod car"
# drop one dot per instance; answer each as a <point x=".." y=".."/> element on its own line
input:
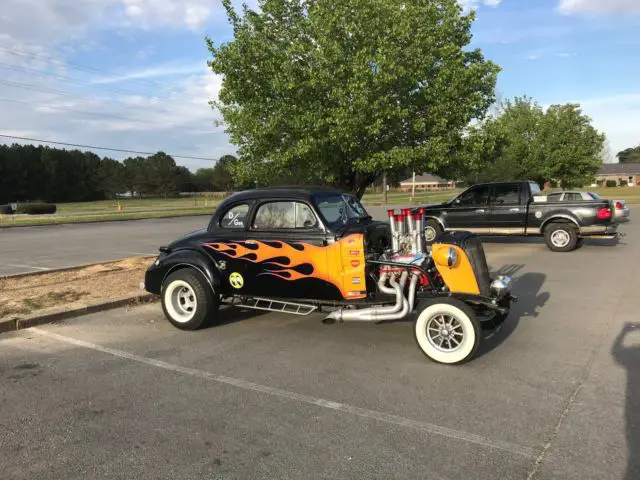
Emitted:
<point x="301" y="250"/>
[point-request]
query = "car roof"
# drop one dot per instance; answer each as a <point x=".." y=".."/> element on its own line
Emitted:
<point x="304" y="192"/>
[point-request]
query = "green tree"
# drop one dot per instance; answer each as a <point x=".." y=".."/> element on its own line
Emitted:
<point x="134" y="175"/>
<point x="111" y="178"/>
<point x="160" y="175"/>
<point x="630" y="155"/>
<point x="343" y="91"/>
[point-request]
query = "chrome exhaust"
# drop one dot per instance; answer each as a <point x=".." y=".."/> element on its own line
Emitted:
<point x="395" y="242"/>
<point x="399" y="310"/>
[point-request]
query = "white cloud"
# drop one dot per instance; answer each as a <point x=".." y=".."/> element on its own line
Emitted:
<point x="474" y="4"/>
<point x="599" y="6"/>
<point x="157" y="71"/>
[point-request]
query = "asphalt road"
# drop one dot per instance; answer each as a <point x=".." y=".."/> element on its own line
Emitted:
<point x="554" y="395"/>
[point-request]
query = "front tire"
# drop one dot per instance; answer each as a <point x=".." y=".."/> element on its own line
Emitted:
<point x="447" y="331"/>
<point x="561" y="237"/>
<point x="187" y="300"/>
<point x="432" y="229"/>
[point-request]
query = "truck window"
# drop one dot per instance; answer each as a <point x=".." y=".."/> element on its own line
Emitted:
<point x="475" y="196"/>
<point x="235" y="217"/>
<point x="572" y="197"/>
<point x="535" y="189"/>
<point x="554" y="197"/>
<point x="506" y="195"/>
<point x="284" y="216"/>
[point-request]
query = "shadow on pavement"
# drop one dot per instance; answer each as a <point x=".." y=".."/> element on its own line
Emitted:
<point x="528" y="288"/>
<point x="228" y="315"/>
<point x="629" y="358"/>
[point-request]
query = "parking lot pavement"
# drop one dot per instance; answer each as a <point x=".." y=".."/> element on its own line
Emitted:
<point x="555" y="394"/>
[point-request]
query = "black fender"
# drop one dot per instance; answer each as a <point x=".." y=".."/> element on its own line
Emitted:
<point x="167" y="263"/>
<point x="563" y="215"/>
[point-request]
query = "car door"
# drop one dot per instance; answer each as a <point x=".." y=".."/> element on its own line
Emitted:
<point x="289" y="243"/>
<point x="507" y="212"/>
<point x="469" y="211"/>
<point x="225" y="245"/>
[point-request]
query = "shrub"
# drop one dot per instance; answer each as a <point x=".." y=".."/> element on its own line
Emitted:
<point x="612" y="183"/>
<point x="599" y="182"/>
<point x="6" y="210"/>
<point x="623" y="183"/>
<point x="36" y="208"/>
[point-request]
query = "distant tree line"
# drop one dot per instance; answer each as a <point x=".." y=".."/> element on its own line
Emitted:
<point x="630" y="155"/>
<point x="29" y="173"/>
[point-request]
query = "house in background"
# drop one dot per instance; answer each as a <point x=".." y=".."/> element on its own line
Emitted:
<point x="621" y="173"/>
<point x="427" y="182"/>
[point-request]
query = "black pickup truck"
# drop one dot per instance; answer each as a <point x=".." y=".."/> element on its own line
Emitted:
<point x="518" y="209"/>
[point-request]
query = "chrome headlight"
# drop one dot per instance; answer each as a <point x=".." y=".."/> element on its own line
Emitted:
<point x="452" y="256"/>
<point x="500" y="286"/>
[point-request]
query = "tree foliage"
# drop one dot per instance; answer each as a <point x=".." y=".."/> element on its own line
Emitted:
<point x="629" y="155"/>
<point x="524" y="141"/>
<point x="29" y="173"/>
<point x="342" y="91"/>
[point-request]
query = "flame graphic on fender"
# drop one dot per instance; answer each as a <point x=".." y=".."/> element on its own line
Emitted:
<point x="296" y="260"/>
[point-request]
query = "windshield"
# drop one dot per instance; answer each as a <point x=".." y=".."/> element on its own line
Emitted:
<point x="341" y="208"/>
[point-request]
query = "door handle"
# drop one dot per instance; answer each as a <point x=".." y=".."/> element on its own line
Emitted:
<point x="514" y="210"/>
<point x="480" y="211"/>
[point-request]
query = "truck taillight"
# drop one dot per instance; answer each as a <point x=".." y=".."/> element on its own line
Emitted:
<point x="604" y="213"/>
<point x="618" y="206"/>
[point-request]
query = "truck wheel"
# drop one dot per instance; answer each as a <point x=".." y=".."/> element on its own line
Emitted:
<point x="561" y="237"/>
<point x="447" y="330"/>
<point x="431" y="231"/>
<point x="187" y="299"/>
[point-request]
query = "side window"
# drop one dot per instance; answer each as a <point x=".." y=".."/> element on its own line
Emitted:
<point x="506" y="195"/>
<point x="235" y="218"/>
<point x="573" y="197"/>
<point x="535" y="189"/>
<point x="284" y="215"/>
<point x="554" y="197"/>
<point x="476" y="196"/>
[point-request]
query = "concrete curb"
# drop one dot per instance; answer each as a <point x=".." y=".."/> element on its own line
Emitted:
<point x="106" y="221"/>
<point x="14" y="276"/>
<point x="32" y="321"/>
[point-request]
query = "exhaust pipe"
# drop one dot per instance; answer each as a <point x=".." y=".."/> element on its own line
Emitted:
<point x="412" y="231"/>
<point x="375" y="314"/>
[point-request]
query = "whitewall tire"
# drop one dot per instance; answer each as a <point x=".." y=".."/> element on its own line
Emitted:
<point x="447" y="331"/>
<point x="187" y="299"/>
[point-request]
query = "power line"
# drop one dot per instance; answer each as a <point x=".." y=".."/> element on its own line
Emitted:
<point x="105" y="115"/>
<point x="15" y="137"/>
<point x="77" y="66"/>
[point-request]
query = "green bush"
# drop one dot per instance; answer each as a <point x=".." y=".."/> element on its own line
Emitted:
<point x="36" y="208"/>
<point x="623" y="183"/>
<point x="612" y="183"/>
<point x="599" y="182"/>
<point x="6" y="210"/>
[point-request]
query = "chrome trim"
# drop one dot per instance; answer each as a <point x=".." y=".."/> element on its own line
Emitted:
<point x="508" y="231"/>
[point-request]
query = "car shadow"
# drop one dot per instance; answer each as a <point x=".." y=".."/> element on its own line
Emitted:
<point x="528" y="287"/>
<point x="230" y="314"/>
<point x="629" y="358"/>
<point x="508" y="240"/>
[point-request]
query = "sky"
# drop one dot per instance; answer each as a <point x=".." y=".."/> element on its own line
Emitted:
<point x="132" y="74"/>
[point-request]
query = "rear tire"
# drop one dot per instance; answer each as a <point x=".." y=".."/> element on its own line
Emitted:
<point x="432" y="229"/>
<point x="447" y="331"/>
<point x="561" y="237"/>
<point x="187" y="300"/>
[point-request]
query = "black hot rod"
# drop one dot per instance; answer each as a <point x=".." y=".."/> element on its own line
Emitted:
<point x="299" y="250"/>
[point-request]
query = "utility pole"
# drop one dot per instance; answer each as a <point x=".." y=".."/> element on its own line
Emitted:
<point x="384" y="188"/>
<point x="413" y="187"/>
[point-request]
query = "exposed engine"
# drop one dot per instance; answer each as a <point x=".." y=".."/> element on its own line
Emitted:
<point x="407" y="248"/>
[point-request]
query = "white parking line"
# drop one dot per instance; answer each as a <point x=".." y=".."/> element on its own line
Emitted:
<point x="308" y="399"/>
<point x="26" y="266"/>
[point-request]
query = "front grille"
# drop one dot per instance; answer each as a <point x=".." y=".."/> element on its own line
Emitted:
<point x="472" y="246"/>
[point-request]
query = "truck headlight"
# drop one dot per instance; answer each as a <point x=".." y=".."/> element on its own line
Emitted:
<point x="500" y="286"/>
<point x="452" y="257"/>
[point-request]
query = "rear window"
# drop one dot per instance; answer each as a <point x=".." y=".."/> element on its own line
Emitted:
<point x="535" y="189"/>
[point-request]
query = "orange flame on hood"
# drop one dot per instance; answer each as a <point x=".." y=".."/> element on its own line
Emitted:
<point x="341" y="263"/>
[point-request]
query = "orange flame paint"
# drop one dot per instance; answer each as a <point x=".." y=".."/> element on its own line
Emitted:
<point x="341" y="263"/>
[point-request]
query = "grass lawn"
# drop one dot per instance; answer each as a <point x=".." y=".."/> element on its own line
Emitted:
<point x="107" y="210"/>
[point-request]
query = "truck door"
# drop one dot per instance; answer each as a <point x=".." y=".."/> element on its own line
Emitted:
<point x="470" y="211"/>
<point x="507" y="215"/>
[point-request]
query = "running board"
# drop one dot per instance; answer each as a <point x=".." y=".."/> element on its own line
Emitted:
<point x="276" y="306"/>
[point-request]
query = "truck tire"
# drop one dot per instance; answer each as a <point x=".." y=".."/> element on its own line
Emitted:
<point x="187" y="300"/>
<point x="447" y="330"/>
<point x="432" y="229"/>
<point x="561" y="237"/>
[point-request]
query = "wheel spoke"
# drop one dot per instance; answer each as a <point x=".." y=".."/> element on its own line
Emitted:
<point x="452" y="339"/>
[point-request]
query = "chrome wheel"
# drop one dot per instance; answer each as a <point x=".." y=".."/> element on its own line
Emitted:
<point x="430" y="234"/>
<point x="445" y="332"/>
<point x="560" y="238"/>
<point x="181" y="301"/>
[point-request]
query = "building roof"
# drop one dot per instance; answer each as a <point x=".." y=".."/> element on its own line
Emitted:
<point x="425" y="178"/>
<point x="620" y="169"/>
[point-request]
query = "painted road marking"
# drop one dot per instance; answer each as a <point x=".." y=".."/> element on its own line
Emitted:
<point x="26" y="266"/>
<point x="299" y="397"/>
